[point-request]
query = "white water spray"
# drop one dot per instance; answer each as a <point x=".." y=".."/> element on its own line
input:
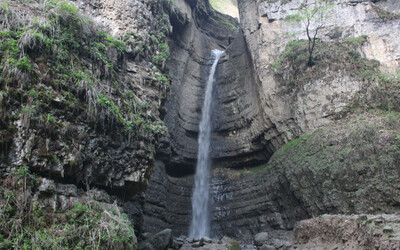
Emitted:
<point x="200" y="225"/>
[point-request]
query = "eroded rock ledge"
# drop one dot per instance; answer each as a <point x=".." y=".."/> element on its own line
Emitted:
<point x="345" y="168"/>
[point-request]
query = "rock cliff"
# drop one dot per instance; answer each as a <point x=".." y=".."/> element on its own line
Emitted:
<point x="80" y="117"/>
<point x="238" y="122"/>
<point x="267" y="97"/>
<point x="267" y="34"/>
<point x="82" y="98"/>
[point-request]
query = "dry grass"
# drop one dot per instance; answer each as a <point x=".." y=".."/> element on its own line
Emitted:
<point x="26" y="221"/>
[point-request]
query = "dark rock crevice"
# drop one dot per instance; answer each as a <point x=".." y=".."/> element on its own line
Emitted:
<point x="238" y="122"/>
<point x="242" y="135"/>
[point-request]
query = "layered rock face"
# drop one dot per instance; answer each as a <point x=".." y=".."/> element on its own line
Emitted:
<point x="80" y="118"/>
<point x="95" y="126"/>
<point x="239" y="124"/>
<point x="343" y="168"/>
<point x="267" y="34"/>
<point x="246" y="203"/>
<point x="70" y="122"/>
<point x="253" y="118"/>
<point x="243" y="204"/>
<point x="166" y="203"/>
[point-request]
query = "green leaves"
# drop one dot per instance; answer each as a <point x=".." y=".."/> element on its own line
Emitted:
<point x="23" y="171"/>
<point x="141" y="119"/>
<point x="311" y="14"/>
<point x="313" y="18"/>
<point x="294" y="18"/>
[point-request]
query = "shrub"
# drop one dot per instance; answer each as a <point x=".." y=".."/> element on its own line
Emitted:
<point x="26" y="223"/>
<point x="79" y="59"/>
<point x="291" y="68"/>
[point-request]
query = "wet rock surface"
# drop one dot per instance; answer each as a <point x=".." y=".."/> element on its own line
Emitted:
<point x="159" y="241"/>
<point x="238" y="122"/>
<point x="351" y="171"/>
<point x="243" y="205"/>
<point x="291" y="187"/>
<point x="253" y="119"/>
<point x="261" y="238"/>
<point x="186" y="243"/>
<point x="381" y="231"/>
<point x="167" y="204"/>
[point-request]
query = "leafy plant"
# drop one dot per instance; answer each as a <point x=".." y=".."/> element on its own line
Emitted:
<point x="313" y="17"/>
<point x="27" y="224"/>
<point x="357" y="41"/>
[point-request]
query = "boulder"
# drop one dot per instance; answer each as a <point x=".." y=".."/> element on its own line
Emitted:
<point x="267" y="247"/>
<point x="261" y="238"/>
<point x="159" y="241"/>
<point x="230" y="243"/>
<point x="388" y="229"/>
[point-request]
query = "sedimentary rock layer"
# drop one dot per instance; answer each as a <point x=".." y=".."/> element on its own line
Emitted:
<point x="238" y="122"/>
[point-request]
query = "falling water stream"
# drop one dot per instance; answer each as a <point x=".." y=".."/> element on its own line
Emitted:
<point x="200" y="225"/>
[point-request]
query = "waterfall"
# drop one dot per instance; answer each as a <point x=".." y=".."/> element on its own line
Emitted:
<point x="200" y="225"/>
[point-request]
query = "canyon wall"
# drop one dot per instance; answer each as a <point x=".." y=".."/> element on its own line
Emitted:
<point x="267" y="34"/>
<point x="80" y="140"/>
<point x="89" y="126"/>
<point x="80" y="118"/>
<point x="256" y="113"/>
<point x="238" y="122"/>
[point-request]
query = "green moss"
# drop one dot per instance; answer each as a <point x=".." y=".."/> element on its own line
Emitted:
<point x="230" y="25"/>
<point x="295" y="142"/>
<point x="162" y="55"/>
<point x="380" y="93"/>
<point x="357" y="41"/>
<point x="357" y="156"/>
<point x="234" y="245"/>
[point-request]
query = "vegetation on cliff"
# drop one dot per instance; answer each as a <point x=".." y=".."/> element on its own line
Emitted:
<point x="63" y="56"/>
<point x="61" y="71"/>
<point x="313" y="18"/>
<point x="26" y="223"/>
<point x="292" y="70"/>
<point x="379" y="90"/>
<point x="77" y="106"/>
<point x="350" y="166"/>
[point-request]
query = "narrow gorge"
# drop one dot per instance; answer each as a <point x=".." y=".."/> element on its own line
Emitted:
<point x="123" y="125"/>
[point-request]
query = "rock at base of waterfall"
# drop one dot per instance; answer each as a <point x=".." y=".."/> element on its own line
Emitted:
<point x="261" y="238"/>
<point x="267" y="247"/>
<point x="205" y="240"/>
<point x="205" y="243"/>
<point x="159" y="241"/>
